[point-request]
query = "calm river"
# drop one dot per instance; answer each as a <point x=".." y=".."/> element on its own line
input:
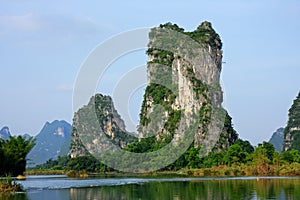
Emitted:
<point x="61" y="187"/>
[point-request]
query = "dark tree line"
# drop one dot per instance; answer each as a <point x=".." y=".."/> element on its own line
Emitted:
<point x="13" y="154"/>
<point x="82" y="163"/>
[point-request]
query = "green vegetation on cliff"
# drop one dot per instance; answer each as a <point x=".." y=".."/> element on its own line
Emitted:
<point x="292" y="130"/>
<point x="204" y="33"/>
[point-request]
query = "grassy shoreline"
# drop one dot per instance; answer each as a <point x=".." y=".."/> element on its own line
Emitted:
<point x="45" y="172"/>
<point x="292" y="169"/>
<point x="265" y="170"/>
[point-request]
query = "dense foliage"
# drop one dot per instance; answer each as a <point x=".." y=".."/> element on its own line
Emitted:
<point x="81" y="163"/>
<point x="241" y="155"/>
<point x="13" y="154"/>
<point x="292" y="130"/>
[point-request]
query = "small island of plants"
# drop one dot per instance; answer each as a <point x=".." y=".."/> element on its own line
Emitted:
<point x="8" y="185"/>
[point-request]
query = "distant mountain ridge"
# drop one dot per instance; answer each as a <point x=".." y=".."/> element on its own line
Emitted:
<point x="5" y="133"/>
<point x="277" y="139"/>
<point x="52" y="141"/>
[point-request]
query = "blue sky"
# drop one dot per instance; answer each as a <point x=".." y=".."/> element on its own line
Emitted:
<point x="44" y="44"/>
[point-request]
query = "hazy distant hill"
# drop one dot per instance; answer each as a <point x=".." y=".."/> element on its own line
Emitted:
<point x="277" y="139"/>
<point x="5" y="133"/>
<point x="52" y="141"/>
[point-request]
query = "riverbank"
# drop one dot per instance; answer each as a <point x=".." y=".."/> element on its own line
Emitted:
<point x="292" y="169"/>
<point x="45" y="172"/>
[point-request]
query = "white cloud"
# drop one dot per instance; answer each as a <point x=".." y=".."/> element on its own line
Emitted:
<point x="26" y="22"/>
<point x="50" y="30"/>
<point x="54" y="24"/>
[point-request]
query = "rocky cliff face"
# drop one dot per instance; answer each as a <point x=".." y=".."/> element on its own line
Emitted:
<point x="183" y="79"/>
<point x="292" y="130"/>
<point x="183" y="89"/>
<point x="277" y="139"/>
<point x="109" y="124"/>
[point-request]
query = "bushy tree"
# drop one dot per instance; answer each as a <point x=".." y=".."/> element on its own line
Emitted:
<point x="13" y="154"/>
<point x="290" y="156"/>
<point x="245" y="145"/>
<point x="192" y="158"/>
<point x="260" y="156"/>
<point x="269" y="150"/>
<point x="235" y="155"/>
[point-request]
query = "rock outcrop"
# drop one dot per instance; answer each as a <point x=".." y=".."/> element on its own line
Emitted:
<point x="292" y="130"/>
<point x="183" y="79"/>
<point x="109" y="124"/>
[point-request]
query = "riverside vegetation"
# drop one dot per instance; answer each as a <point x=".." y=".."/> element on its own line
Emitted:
<point x="13" y="154"/>
<point x="240" y="159"/>
<point x="8" y="185"/>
